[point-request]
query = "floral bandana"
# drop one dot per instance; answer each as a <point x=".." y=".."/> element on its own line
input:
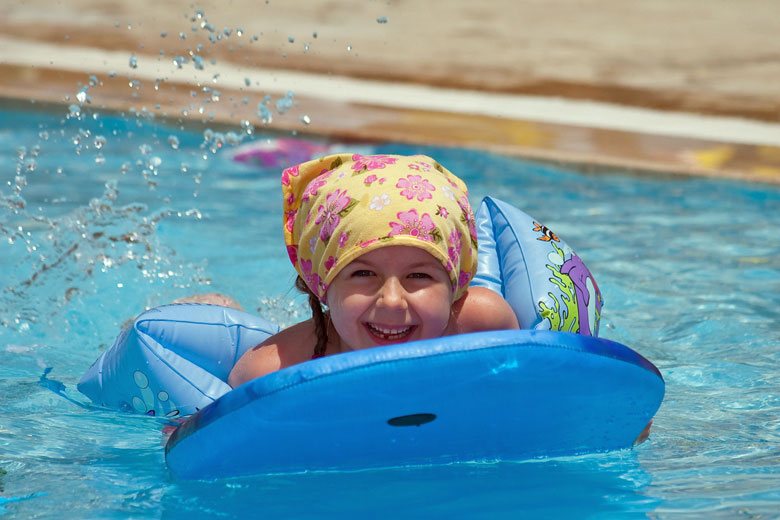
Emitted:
<point x="341" y="206"/>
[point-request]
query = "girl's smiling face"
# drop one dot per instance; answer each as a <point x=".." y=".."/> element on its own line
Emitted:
<point x="393" y="294"/>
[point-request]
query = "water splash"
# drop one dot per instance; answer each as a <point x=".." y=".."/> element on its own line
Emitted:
<point x="263" y="112"/>
<point x="286" y="103"/>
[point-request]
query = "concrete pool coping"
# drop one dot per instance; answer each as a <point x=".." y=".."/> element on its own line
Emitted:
<point x="588" y="135"/>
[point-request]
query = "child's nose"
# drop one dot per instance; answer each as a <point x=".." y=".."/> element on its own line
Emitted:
<point x="392" y="294"/>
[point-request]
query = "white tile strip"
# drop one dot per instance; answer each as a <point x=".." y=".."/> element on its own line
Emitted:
<point x="403" y="95"/>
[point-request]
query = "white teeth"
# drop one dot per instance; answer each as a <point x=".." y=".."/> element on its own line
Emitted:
<point x="389" y="333"/>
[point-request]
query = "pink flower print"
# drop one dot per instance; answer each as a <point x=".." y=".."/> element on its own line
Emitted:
<point x="468" y="217"/>
<point x="379" y="202"/>
<point x="291" y="220"/>
<point x="413" y="225"/>
<point x="290" y="199"/>
<point x="463" y="279"/>
<point x="328" y="214"/>
<point x="306" y="268"/>
<point x="330" y="262"/>
<point x="415" y="186"/>
<point x="372" y="162"/>
<point x="313" y="280"/>
<point x="343" y="239"/>
<point x="313" y="187"/>
<point x="292" y="252"/>
<point x="382" y="180"/>
<point x="455" y="244"/>
<point x="367" y="243"/>
<point x="442" y="212"/>
<point x="289" y="172"/>
<point x="371" y="178"/>
<point x="420" y="165"/>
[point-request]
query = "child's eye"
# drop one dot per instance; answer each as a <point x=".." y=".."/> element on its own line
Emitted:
<point x="420" y="276"/>
<point x="362" y="272"/>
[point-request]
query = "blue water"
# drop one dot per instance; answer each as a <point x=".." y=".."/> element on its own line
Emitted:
<point x="101" y="217"/>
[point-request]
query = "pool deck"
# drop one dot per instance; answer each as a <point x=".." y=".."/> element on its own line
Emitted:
<point x="664" y="86"/>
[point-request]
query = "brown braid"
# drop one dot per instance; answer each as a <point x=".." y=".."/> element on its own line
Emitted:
<point x="320" y="319"/>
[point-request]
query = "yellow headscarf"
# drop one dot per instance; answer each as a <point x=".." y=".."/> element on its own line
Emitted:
<point x="342" y="206"/>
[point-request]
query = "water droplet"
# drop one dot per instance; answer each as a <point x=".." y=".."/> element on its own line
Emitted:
<point x="198" y="62"/>
<point x="305" y="119"/>
<point x="263" y="112"/>
<point x="100" y="141"/>
<point x="314" y="34"/>
<point x="145" y="149"/>
<point x="247" y="126"/>
<point x="284" y="104"/>
<point x="247" y="82"/>
<point x="74" y="111"/>
<point x="93" y="81"/>
<point x="381" y="19"/>
<point x="82" y="96"/>
<point x="182" y="36"/>
<point x="100" y="159"/>
<point x="349" y="47"/>
<point x="173" y="141"/>
<point x="239" y="31"/>
<point x="163" y="34"/>
<point x="291" y="39"/>
<point x="306" y="48"/>
<point x="133" y="61"/>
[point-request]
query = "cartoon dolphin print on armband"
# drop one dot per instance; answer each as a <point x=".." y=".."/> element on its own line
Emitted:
<point x="589" y="310"/>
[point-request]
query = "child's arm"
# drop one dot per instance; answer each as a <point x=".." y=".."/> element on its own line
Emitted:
<point x="288" y="347"/>
<point x="482" y="309"/>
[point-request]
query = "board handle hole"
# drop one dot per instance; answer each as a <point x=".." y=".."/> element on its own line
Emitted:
<point x="415" y="419"/>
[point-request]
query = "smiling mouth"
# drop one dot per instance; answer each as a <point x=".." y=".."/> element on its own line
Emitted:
<point x="389" y="333"/>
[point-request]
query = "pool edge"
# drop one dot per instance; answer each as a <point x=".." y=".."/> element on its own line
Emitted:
<point x="588" y="149"/>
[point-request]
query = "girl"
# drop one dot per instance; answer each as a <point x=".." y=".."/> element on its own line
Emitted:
<point x="388" y="245"/>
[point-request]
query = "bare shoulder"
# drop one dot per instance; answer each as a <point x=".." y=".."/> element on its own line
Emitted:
<point x="288" y="347"/>
<point x="482" y="309"/>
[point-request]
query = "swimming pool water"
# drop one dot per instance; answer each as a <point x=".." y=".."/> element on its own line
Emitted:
<point x="103" y="216"/>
